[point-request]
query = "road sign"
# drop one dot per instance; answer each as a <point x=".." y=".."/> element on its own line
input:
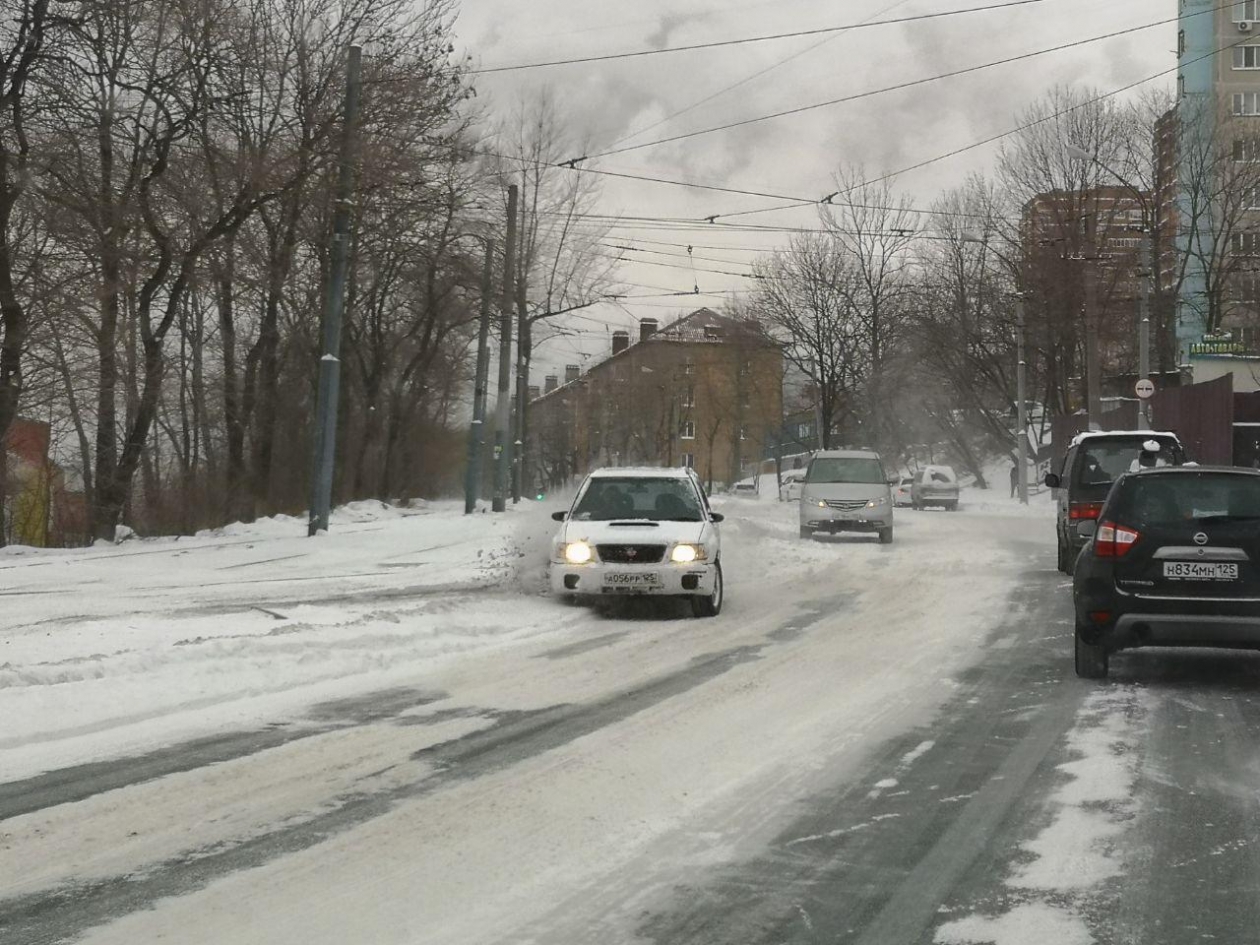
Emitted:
<point x="1145" y="388"/>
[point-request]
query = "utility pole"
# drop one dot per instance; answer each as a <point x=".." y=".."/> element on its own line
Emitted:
<point x="1144" y="321"/>
<point x="523" y="344"/>
<point x="334" y="307"/>
<point x="477" y="429"/>
<point x="1021" y="391"/>
<point x="1093" y="360"/>
<point x="502" y="407"/>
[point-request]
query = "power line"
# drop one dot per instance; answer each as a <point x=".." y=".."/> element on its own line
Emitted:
<point x="901" y="86"/>
<point x="748" y="78"/>
<point x="717" y="44"/>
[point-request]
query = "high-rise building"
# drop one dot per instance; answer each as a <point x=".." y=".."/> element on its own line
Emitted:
<point x="1214" y="155"/>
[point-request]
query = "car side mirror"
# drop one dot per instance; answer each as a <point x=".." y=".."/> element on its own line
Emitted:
<point x="1087" y="528"/>
<point x="1053" y="481"/>
<point x="716" y="517"/>
<point x="559" y="516"/>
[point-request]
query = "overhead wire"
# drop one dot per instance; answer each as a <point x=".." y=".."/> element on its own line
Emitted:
<point x="745" y="40"/>
<point x="748" y="78"/>
<point x="898" y="87"/>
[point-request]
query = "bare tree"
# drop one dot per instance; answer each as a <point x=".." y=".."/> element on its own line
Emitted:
<point x="804" y="296"/>
<point x="24" y="34"/>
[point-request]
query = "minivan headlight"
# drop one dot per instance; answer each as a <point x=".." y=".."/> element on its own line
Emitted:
<point x="578" y="552"/>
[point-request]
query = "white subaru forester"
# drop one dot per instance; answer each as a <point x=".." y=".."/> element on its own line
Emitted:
<point x="640" y="531"/>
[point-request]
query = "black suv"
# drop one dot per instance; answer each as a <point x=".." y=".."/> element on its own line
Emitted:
<point x="1093" y="462"/>
<point x="1174" y="560"/>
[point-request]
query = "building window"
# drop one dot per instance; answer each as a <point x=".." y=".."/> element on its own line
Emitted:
<point x="1245" y="103"/>
<point x="1251" y="198"/>
<point x="1181" y="43"/>
<point x="712" y="332"/>
<point x="743" y="433"/>
<point x="1249" y="287"/>
<point x="804" y="431"/>
<point x="1247" y="57"/>
<point x="1246" y="150"/>
<point x="688" y="430"/>
<point x="689" y="397"/>
<point x="1245" y="12"/>
<point x="689" y="367"/>
<point x="1245" y="244"/>
<point x="689" y="460"/>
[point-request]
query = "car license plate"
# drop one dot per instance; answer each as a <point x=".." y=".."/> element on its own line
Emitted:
<point x="1200" y="571"/>
<point x="645" y="579"/>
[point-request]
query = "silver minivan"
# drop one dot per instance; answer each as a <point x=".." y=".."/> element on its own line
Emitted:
<point x="847" y="491"/>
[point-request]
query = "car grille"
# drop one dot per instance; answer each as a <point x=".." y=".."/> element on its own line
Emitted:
<point x="846" y="505"/>
<point x="631" y="554"/>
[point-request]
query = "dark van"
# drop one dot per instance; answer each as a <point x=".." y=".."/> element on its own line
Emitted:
<point x="1093" y="462"/>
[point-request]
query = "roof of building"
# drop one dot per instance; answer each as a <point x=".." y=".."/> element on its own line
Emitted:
<point x="703" y="326"/>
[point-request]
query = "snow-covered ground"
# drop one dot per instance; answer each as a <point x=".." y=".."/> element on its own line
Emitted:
<point x="112" y="652"/>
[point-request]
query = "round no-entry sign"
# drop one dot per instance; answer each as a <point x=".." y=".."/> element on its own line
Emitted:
<point x="1145" y="388"/>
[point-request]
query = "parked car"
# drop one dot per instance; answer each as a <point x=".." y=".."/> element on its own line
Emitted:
<point x="1172" y="560"/>
<point x="902" y="492"/>
<point x="935" y="485"/>
<point x="1092" y="463"/>
<point x="847" y="491"/>
<point x="746" y="488"/>
<point x="640" y="531"/>
<point x="791" y="482"/>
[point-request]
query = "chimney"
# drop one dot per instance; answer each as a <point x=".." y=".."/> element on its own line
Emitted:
<point x="621" y="341"/>
<point x="571" y="372"/>
<point x="647" y="328"/>
<point x="534" y="392"/>
<point x="551" y="382"/>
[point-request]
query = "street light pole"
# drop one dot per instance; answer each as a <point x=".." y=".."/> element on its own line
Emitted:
<point x="476" y="430"/>
<point x="1093" y="357"/>
<point x="1021" y="391"/>
<point x="502" y="410"/>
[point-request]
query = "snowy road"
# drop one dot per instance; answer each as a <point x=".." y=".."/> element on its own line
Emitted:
<point x="870" y="745"/>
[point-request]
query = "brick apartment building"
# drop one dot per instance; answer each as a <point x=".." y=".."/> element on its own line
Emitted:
<point x="705" y="391"/>
<point x="1070" y="237"/>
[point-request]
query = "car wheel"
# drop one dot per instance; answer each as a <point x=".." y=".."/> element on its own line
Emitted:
<point x="1062" y="552"/>
<point x="1091" y="659"/>
<point x="886" y="535"/>
<point x="710" y="605"/>
<point x="1069" y="561"/>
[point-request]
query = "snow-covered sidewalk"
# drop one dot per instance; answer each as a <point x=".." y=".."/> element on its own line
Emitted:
<point x="109" y="650"/>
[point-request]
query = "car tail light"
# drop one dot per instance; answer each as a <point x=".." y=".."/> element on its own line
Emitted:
<point x="1114" y="541"/>
<point x="1078" y="511"/>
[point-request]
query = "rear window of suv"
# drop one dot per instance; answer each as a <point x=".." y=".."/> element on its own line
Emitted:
<point x="1189" y="499"/>
<point x="1102" y="462"/>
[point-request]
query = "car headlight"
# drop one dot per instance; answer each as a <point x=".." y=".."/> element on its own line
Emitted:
<point x="876" y="503"/>
<point x="685" y="554"/>
<point x="578" y="552"/>
<point x="822" y="504"/>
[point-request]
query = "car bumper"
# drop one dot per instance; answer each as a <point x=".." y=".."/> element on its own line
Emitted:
<point x="1136" y="621"/>
<point x="937" y="498"/>
<point x="827" y="520"/>
<point x="594" y="579"/>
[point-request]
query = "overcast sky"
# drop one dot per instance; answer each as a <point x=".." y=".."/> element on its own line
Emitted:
<point x="609" y="104"/>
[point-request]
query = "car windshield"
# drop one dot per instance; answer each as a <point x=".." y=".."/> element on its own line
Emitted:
<point x="1190" y="500"/>
<point x="1104" y="461"/>
<point x="638" y="497"/>
<point x="851" y="469"/>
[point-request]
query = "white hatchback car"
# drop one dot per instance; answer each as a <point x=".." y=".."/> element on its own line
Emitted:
<point x="640" y="531"/>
